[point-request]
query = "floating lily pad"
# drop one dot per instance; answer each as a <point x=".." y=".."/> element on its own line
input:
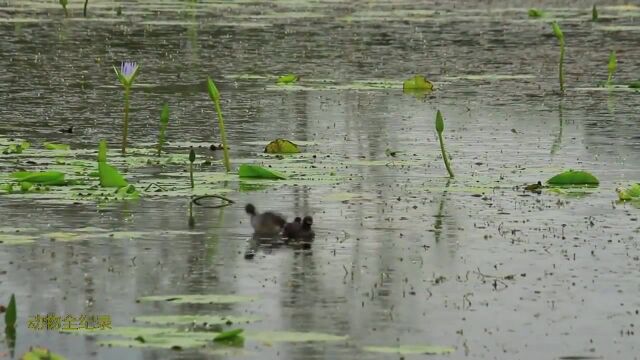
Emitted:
<point x="417" y="82"/>
<point x="255" y="171"/>
<point x="41" y="354"/>
<point x="195" y="319"/>
<point x="281" y="146"/>
<point x="291" y="336"/>
<point x="535" y="13"/>
<point x="228" y="335"/>
<point x="410" y="349"/>
<point x="287" y="79"/>
<point x="635" y="85"/>
<point x="52" y="146"/>
<point x="40" y="177"/>
<point x="572" y="177"/>
<point x="199" y="299"/>
<point x="11" y="239"/>
<point x="630" y="193"/>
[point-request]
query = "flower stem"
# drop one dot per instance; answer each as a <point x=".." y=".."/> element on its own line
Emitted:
<point x="444" y="155"/>
<point x="84" y="9"/>
<point x="125" y="125"/>
<point x="191" y="174"/>
<point x="561" y="67"/>
<point x="223" y="135"/>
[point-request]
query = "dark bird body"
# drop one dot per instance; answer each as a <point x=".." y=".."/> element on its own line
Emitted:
<point x="305" y="233"/>
<point x="291" y="229"/>
<point x="267" y="223"/>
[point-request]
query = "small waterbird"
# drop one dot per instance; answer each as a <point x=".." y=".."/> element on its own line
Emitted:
<point x="291" y="229"/>
<point x="267" y="223"/>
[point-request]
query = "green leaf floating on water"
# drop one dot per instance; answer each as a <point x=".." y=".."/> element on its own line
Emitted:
<point x="535" y="13"/>
<point x="41" y="354"/>
<point x="16" y="148"/>
<point x="52" y="146"/>
<point x="572" y="177"/>
<point x="410" y="349"/>
<point x="228" y="335"/>
<point x="195" y="319"/>
<point x="255" y="171"/>
<point x="630" y="193"/>
<point x="40" y="177"/>
<point x="635" y="85"/>
<point x="281" y="146"/>
<point x="417" y="82"/>
<point x="287" y="79"/>
<point x="199" y="299"/>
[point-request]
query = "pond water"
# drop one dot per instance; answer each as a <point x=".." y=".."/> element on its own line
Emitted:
<point x="403" y="256"/>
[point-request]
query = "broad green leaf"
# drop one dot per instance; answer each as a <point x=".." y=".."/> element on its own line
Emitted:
<point x="102" y="151"/>
<point x="11" y="314"/>
<point x="195" y="319"/>
<point x="40" y="177"/>
<point x="635" y="85"/>
<point x="41" y="354"/>
<point x="410" y="349"/>
<point x="572" y="177"/>
<point x="287" y="79"/>
<point x="633" y="192"/>
<point x="255" y="171"/>
<point x="228" y="335"/>
<point x="281" y="146"/>
<point x="16" y="148"/>
<point x="535" y="13"/>
<point x="417" y="82"/>
<point x="52" y="146"/>
<point x="110" y="176"/>
<point x="199" y="299"/>
<point x="128" y="192"/>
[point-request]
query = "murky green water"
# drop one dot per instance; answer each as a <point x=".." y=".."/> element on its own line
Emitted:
<point x="402" y="255"/>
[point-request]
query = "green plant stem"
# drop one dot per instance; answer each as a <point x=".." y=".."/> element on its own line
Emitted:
<point x="561" y="67"/>
<point x="66" y="13"/>
<point x="223" y="136"/>
<point x="444" y="155"/>
<point x="160" y="140"/>
<point x="125" y="125"/>
<point x="191" y="174"/>
<point x="84" y="9"/>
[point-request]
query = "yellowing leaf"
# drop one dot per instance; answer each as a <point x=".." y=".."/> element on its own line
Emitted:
<point x="281" y="146"/>
<point x="417" y="82"/>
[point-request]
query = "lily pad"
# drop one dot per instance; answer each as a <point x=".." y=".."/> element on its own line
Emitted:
<point x="195" y="319"/>
<point x="535" y="13"/>
<point x="40" y="177"/>
<point x="199" y="299"/>
<point x="10" y="239"/>
<point x="572" y="177"/>
<point x="281" y="146"/>
<point x="41" y="354"/>
<point x="410" y="349"/>
<point x="255" y="171"/>
<point x="228" y="335"/>
<point x="635" y="85"/>
<point x="287" y="79"/>
<point x="417" y="82"/>
<point x="630" y="193"/>
<point x="292" y="336"/>
<point x="52" y="146"/>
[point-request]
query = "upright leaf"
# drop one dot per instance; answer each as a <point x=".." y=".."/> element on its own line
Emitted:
<point x="11" y="315"/>
<point x="594" y="13"/>
<point x="213" y="90"/>
<point x="102" y="151"/>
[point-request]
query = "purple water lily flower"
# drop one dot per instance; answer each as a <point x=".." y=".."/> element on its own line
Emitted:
<point x="127" y="73"/>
